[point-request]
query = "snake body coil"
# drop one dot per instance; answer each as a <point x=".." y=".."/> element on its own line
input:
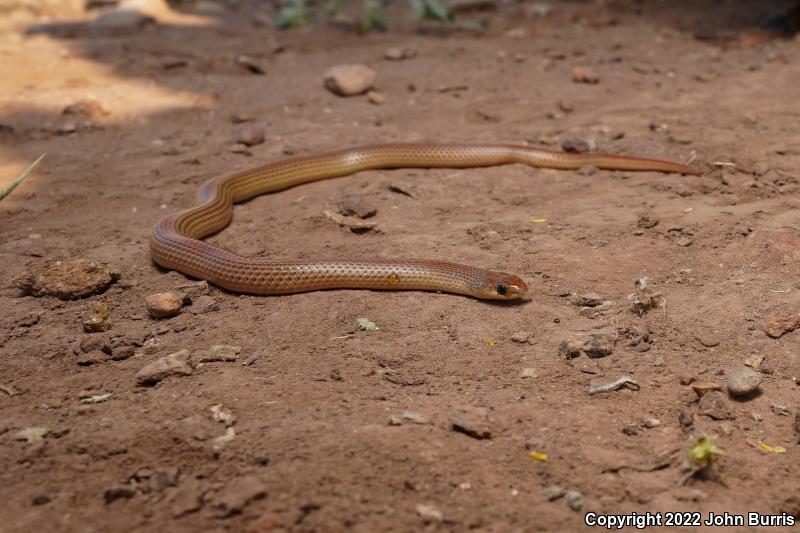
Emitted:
<point x="175" y="242"/>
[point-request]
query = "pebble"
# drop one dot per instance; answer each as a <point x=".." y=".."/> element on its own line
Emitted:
<point x="67" y="279"/>
<point x="707" y="339"/>
<point x="164" y="304"/>
<point x="528" y="373"/>
<point x="375" y="97"/>
<point x="349" y="80"/>
<point x="650" y="423"/>
<point x="219" y="352"/>
<point x="190" y="291"/>
<point x="99" y="320"/>
<point x="354" y="224"/>
<point x="355" y="205"/>
<point x="714" y="405"/>
<point x="204" y="304"/>
<point x="90" y="343"/>
<point x="588" y="170"/>
<point x="703" y="387"/>
<point x="238" y="494"/>
<point x="121" y="19"/>
<point x="522" y="337"/>
<point x="118" y="491"/>
<point x="414" y="416"/>
<point x="687" y="378"/>
<point x="585" y="75"/>
<point x="123" y="352"/>
<point x="429" y="512"/>
<point x="397" y="53"/>
<point x="575" y="145"/>
<point x="86" y="109"/>
<point x="743" y="381"/>
<point x="553" y="492"/>
<point x="174" y="364"/>
<point x="364" y="324"/>
<point x="472" y="421"/>
<point x="575" y="499"/>
<point x="249" y="64"/>
<point x="570" y="348"/>
<point x="647" y="221"/>
<point x="599" y="345"/>
<point x="590" y="299"/>
<point x="779" y="325"/>
<point x="249" y="135"/>
<point x="92" y="358"/>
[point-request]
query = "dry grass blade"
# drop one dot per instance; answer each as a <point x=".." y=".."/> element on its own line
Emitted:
<point x="5" y="192"/>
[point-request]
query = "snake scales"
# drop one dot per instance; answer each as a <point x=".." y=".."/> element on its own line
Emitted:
<point x="176" y="239"/>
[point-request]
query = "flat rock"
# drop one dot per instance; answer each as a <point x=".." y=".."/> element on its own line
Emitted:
<point x="174" y="364"/>
<point x="399" y="53"/>
<point x="67" y="279"/>
<point x="204" y="304"/>
<point x="472" y="421"/>
<point x="355" y="205"/>
<point x="743" y="381"/>
<point x="92" y="358"/>
<point x="219" y="352"/>
<point x="164" y="304"/>
<point x="522" y="337"/>
<point x="187" y="498"/>
<point x="349" y="80"/>
<point x="238" y="494"/>
<point x="779" y="325"/>
<point x="250" y="135"/>
<point x="714" y="405"/>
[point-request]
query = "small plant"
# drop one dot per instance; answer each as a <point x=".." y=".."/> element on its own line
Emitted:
<point x="300" y="12"/>
<point x="5" y="192"/>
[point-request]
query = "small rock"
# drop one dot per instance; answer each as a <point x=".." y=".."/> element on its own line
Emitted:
<point x="429" y="513"/>
<point x="32" y="434"/>
<point x="42" y="499"/>
<point x="238" y="494"/>
<point x="587" y="366"/>
<point x="589" y="299"/>
<point x="588" y="170"/>
<point x="121" y="353"/>
<point x="219" y="352"/>
<point x="685" y="418"/>
<point x="584" y="75"/>
<point x="354" y="224"/>
<point x="99" y="320"/>
<point x="204" y="304"/>
<point x="743" y="381"/>
<point x="174" y="364"/>
<point x="364" y="324"/>
<point x="528" y="373"/>
<point x="90" y="343"/>
<point x="356" y="205"/>
<point x="164" y="304"/>
<point x="375" y="97"/>
<point x="553" y="492"/>
<point x="395" y="420"/>
<point x="782" y="324"/>
<point x="570" y="348"/>
<point x="121" y="19"/>
<point x="522" y="337"/>
<point x="415" y="417"/>
<point x="239" y="148"/>
<point x="650" y="423"/>
<point x="599" y="345"/>
<point x="118" y="491"/>
<point x="574" y="499"/>
<point x="575" y="145"/>
<point x="714" y="405"/>
<point x="687" y="378"/>
<point x="92" y="358"/>
<point x="701" y="388"/>
<point x="220" y="414"/>
<point x="349" y="80"/>
<point x="754" y="361"/>
<point x="190" y="291"/>
<point x="472" y="421"/>
<point x="250" y="64"/>
<point x="67" y="279"/>
<point x="187" y="498"/>
<point x="250" y="135"/>
<point x="397" y="53"/>
<point x="90" y="109"/>
<point x="647" y="222"/>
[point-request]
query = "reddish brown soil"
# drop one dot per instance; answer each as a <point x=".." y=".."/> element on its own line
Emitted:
<point x="312" y="413"/>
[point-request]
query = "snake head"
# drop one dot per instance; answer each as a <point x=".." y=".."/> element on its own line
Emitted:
<point x="502" y="286"/>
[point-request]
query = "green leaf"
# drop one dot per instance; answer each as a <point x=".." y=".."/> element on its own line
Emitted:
<point x="21" y="178"/>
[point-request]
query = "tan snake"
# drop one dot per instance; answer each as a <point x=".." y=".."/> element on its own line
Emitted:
<point x="175" y="242"/>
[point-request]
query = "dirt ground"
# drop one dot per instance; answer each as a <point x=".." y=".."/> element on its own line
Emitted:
<point x="330" y="428"/>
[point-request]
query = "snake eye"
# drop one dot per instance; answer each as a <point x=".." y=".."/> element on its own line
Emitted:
<point x="501" y="289"/>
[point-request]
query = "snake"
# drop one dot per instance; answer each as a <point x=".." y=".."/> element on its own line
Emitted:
<point x="176" y="240"/>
